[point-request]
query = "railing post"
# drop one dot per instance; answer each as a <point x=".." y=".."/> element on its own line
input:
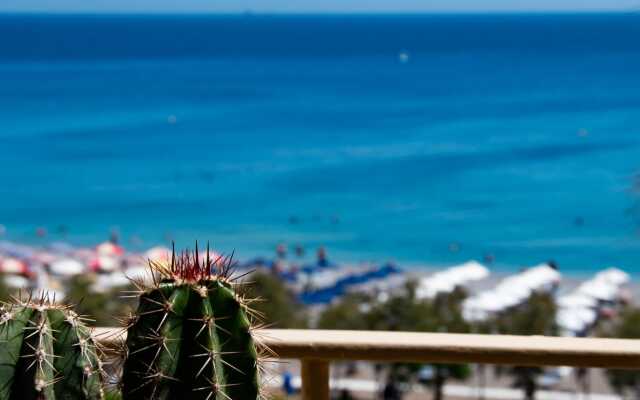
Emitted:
<point x="315" y="380"/>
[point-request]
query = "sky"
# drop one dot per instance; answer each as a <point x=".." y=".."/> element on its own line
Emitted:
<point x="313" y="5"/>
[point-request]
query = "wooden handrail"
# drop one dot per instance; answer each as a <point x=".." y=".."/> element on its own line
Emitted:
<point x="317" y="348"/>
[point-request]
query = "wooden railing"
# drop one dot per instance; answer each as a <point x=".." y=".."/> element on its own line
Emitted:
<point x="316" y="349"/>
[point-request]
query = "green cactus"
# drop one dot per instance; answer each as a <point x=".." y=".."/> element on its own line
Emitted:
<point x="191" y="337"/>
<point x="47" y="353"/>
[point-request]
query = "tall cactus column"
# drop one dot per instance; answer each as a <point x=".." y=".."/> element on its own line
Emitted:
<point x="191" y="336"/>
<point x="47" y="353"/>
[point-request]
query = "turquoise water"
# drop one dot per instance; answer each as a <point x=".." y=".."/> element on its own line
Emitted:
<point x="423" y="139"/>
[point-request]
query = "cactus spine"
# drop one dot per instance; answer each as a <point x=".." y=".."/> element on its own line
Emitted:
<point x="191" y="336"/>
<point x="47" y="353"/>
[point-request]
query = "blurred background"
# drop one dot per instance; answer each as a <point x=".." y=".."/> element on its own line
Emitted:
<point x="444" y="166"/>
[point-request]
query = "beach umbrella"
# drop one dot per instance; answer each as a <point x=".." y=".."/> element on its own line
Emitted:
<point x="429" y="288"/>
<point x="158" y="254"/>
<point x="598" y="289"/>
<point x="471" y="271"/>
<point x="569" y="321"/>
<point x="508" y="300"/>
<point x="17" y="281"/>
<point x="614" y="276"/>
<point x="104" y="264"/>
<point x="14" y="266"/>
<point x="576" y="319"/>
<point x="454" y="275"/>
<point x="460" y="274"/>
<point x="67" y="267"/>
<point x="488" y="302"/>
<point x="586" y="315"/>
<point x="109" y="249"/>
<point x="539" y="276"/>
<point x="107" y="282"/>
<point x="577" y="300"/>
<point x="514" y="287"/>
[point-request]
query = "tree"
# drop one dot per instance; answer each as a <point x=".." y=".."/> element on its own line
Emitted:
<point x="534" y="317"/>
<point x="628" y="327"/>
<point x="404" y="312"/>
<point x="448" y="309"/>
<point x="350" y="313"/>
<point x="276" y="302"/>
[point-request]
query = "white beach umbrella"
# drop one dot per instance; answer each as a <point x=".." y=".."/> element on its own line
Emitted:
<point x="586" y="315"/>
<point x="458" y="275"/>
<point x="514" y="287"/>
<point x="576" y="300"/>
<point x="67" y="267"/>
<point x="445" y="275"/>
<point x="17" y="281"/>
<point x="568" y="320"/>
<point x="541" y="275"/>
<point x="600" y="290"/>
<point x="431" y="287"/>
<point x="158" y="254"/>
<point x="109" y="249"/>
<point x="106" y="263"/>
<point x="488" y="301"/>
<point x="614" y="276"/>
<point x="474" y="271"/>
<point x="511" y="299"/>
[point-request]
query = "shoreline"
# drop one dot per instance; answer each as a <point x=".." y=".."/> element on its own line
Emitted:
<point x="351" y="258"/>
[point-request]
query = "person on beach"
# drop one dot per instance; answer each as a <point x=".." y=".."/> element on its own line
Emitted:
<point x="322" y="257"/>
<point x="299" y="250"/>
<point x="391" y="391"/>
<point x="281" y="251"/>
<point x="114" y="236"/>
<point x="287" y="383"/>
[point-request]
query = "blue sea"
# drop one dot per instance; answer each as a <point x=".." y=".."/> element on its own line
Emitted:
<point x="424" y="139"/>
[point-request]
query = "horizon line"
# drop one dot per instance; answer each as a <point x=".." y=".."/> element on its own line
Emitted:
<point x="319" y="13"/>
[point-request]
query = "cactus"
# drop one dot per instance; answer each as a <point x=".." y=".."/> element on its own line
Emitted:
<point x="191" y="336"/>
<point x="47" y="353"/>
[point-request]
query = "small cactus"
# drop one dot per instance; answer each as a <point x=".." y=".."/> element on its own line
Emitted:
<point x="47" y="353"/>
<point x="191" y="337"/>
